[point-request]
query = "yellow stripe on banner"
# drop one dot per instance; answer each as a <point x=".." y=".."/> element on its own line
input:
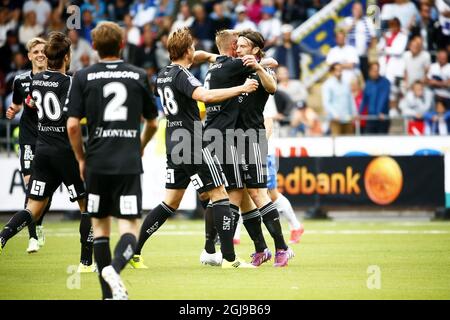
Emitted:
<point x="160" y="137"/>
<point x="202" y="108"/>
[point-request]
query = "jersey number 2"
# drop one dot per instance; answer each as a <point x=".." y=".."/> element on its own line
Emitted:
<point x="115" y="110"/>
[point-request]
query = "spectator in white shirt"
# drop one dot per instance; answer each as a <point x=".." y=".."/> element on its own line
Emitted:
<point x="417" y="101"/>
<point x="42" y="9"/>
<point x="133" y="33"/>
<point x="243" y="22"/>
<point x="346" y="56"/>
<point x="404" y="10"/>
<point x="184" y="17"/>
<point x="30" y="28"/>
<point x="391" y="49"/>
<point x="338" y="102"/>
<point x="269" y="26"/>
<point x="439" y="76"/>
<point x="444" y="17"/>
<point x="360" y="34"/>
<point x="417" y="61"/>
<point x="79" y="48"/>
<point x="6" y="24"/>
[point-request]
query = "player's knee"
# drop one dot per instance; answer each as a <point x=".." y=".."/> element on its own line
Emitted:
<point x="218" y="193"/>
<point x="259" y="196"/>
<point x="203" y="196"/>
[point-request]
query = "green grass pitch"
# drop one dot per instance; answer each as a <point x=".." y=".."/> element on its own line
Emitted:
<point x="335" y="260"/>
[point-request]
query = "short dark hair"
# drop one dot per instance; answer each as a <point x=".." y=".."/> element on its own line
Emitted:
<point x="334" y="65"/>
<point x="56" y="48"/>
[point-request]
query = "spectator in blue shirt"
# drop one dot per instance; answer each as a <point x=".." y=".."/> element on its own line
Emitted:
<point x="376" y="101"/>
<point x="338" y="102"/>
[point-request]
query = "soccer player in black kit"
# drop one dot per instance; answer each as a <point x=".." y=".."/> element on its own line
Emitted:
<point x="221" y="118"/>
<point x="28" y="129"/>
<point x="251" y="121"/>
<point x="54" y="161"/>
<point x="113" y="96"/>
<point x="179" y="92"/>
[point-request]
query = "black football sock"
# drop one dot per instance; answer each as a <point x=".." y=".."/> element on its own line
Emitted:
<point x="124" y="251"/>
<point x="224" y="226"/>
<point x="235" y="213"/>
<point x="210" y="231"/>
<point x="252" y="223"/>
<point x="102" y="254"/>
<point x="271" y="219"/>
<point x="86" y="239"/>
<point x="32" y="225"/>
<point x="47" y="208"/>
<point x="19" y="221"/>
<point x="32" y="230"/>
<point x="152" y="222"/>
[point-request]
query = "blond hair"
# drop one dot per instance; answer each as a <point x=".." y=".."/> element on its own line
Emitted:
<point x="107" y="38"/>
<point x="34" y="42"/>
<point x="225" y="38"/>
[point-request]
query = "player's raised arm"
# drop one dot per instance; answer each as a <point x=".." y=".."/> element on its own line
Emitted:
<point x="201" y="56"/>
<point x="268" y="79"/>
<point x="218" y="95"/>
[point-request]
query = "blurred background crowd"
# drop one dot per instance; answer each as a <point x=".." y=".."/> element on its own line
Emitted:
<point x="388" y="75"/>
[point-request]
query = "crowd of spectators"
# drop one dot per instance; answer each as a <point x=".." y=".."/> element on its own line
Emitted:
<point x="396" y="66"/>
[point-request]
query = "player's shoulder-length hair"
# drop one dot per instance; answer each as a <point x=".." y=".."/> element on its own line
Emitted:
<point x="34" y="42"/>
<point x="107" y="38"/>
<point x="56" y="48"/>
<point x="179" y="42"/>
<point x="256" y="39"/>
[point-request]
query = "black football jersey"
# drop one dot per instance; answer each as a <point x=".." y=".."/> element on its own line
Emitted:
<point x="113" y="96"/>
<point x="29" y="119"/>
<point x="252" y="108"/>
<point x="226" y="72"/>
<point x="174" y="86"/>
<point x="49" y="92"/>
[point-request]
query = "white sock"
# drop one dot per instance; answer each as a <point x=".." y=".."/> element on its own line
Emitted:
<point x="237" y="233"/>
<point x="284" y="207"/>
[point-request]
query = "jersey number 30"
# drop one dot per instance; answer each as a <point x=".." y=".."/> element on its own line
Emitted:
<point x="168" y="102"/>
<point x="50" y="105"/>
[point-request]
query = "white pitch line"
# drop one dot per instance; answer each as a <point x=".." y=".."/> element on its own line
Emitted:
<point x="308" y="232"/>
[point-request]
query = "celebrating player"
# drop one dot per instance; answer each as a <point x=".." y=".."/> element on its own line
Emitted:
<point x="178" y="90"/>
<point x="251" y="119"/>
<point x="54" y="161"/>
<point x="113" y="96"/>
<point x="28" y="129"/>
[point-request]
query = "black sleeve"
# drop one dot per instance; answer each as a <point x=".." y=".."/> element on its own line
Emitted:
<point x="186" y="83"/>
<point x="74" y="105"/>
<point x="149" y="110"/>
<point x="17" y="95"/>
<point x="239" y="69"/>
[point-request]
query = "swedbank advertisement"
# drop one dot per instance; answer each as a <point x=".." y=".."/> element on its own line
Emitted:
<point x="384" y="181"/>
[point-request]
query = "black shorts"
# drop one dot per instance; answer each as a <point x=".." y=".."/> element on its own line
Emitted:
<point x="254" y="164"/>
<point x="49" y="171"/>
<point x="26" y="156"/>
<point x="204" y="176"/>
<point x="119" y="196"/>
<point x="230" y="164"/>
